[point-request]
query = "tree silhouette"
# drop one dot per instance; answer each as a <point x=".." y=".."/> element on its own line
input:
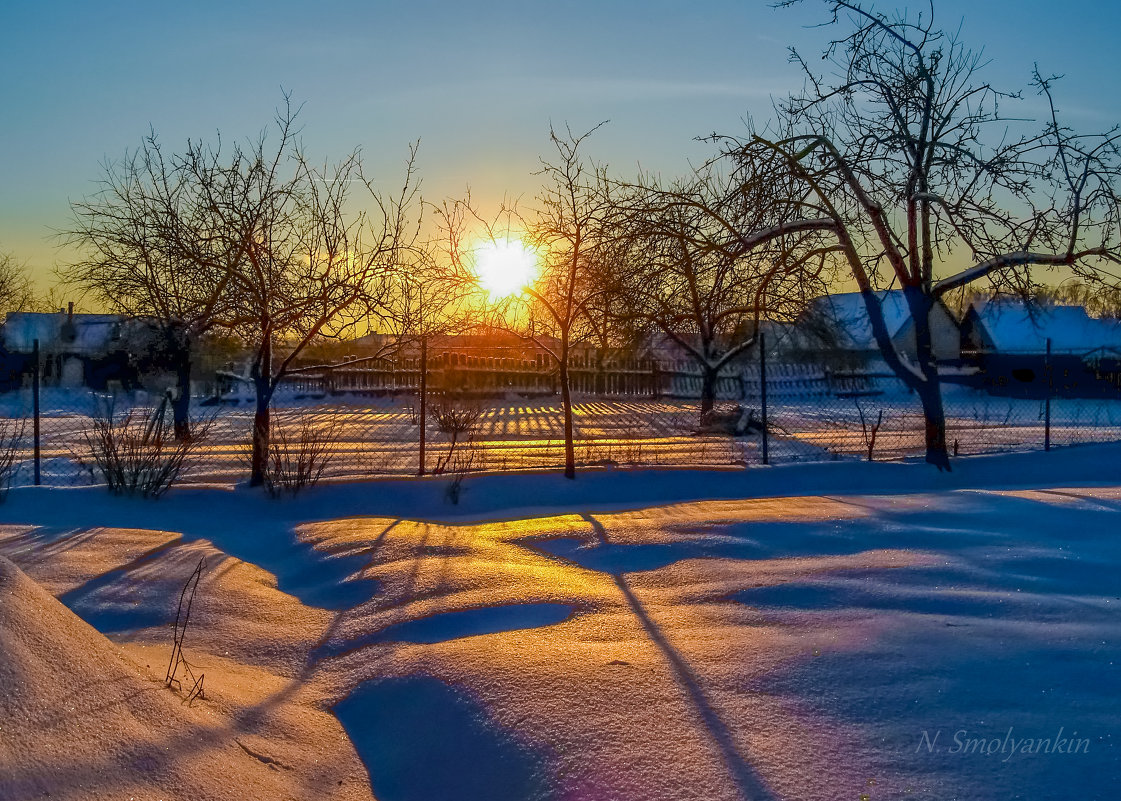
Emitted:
<point x="905" y="148"/>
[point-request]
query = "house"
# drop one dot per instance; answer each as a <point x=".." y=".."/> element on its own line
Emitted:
<point x="1035" y="350"/>
<point x="837" y="328"/>
<point x="1010" y="325"/>
<point x="75" y="350"/>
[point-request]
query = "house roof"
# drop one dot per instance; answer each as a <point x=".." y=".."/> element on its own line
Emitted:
<point x="1012" y="326"/>
<point x="92" y="332"/>
<point x="849" y="316"/>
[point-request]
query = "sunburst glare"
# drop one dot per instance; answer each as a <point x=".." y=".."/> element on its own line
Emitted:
<point x="505" y="267"/>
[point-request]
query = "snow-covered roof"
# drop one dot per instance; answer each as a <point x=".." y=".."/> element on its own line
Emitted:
<point x="849" y="316"/>
<point x="1012" y="326"/>
<point x="92" y="333"/>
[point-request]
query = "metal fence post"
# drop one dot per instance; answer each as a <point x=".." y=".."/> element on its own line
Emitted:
<point x="1047" y="401"/>
<point x="423" y="401"/>
<point x="763" y="393"/>
<point x="35" y="404"/>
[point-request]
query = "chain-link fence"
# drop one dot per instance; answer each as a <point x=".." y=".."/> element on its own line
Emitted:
<point x="889" y="424"/>
<point x="811" y="413"/>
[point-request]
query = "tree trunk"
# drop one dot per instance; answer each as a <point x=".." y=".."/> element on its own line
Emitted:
<point x="566" y="402"/>
<point x="709" y="377"/>
<point x="930" y="388"/>
<point x="262" y="383"/>
<point x="261" y="427"/>
<point x="181" y="402"/>
<point x="601" y="372"/>
<point x="930" y="394"/>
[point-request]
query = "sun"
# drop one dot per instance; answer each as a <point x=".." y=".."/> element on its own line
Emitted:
<point x="505" y="267"/>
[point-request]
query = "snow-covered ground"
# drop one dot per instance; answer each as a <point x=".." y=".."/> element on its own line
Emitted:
<point x="377" y="437"/>
<point x="813" y="631"/>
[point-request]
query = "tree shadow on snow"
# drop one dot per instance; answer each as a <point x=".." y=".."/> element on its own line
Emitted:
<point x="748" y="780"/>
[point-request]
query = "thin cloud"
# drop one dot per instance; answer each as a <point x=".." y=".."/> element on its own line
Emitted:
<point x="600" y="89"/>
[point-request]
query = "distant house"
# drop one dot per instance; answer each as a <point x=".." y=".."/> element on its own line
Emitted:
<point x="838" y="326"/>
<point x="1009" y="325"/>
<point x="470" y="348"/>
<point x="75" y="349"/>
<point x="671" y="354"/>
<point x="1007" y="339"/>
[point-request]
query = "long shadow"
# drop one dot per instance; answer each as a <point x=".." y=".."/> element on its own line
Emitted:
<point x="314" y="577"/>
<point x="449" y="550"/>
<point x="1105" y="503"/>
<point x="54" y="540"/>
<point x="457" y="624"/>
<point x="324" y="649"/>
<point x="751" y="785"/>
<point x="149" y="756"/>
<point x="422" y="740"/>
<point x="108" y="618"/>
<point x="441" y="626"/>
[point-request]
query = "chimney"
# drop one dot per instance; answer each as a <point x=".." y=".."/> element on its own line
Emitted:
<point x="70" y="312"/>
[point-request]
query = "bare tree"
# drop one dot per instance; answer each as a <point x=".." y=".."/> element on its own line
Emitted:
<point x="153" y="248"/>
<point x="430" y="297"/>
<point x="1100" y="299"/>
<point x="609" y="324"/>
<point x="16" y="291"/>
<point x="569" y="228"/>
<point x="904" y="147"/>
<point x="713" y="256"/>
<point x="311" y="267"/>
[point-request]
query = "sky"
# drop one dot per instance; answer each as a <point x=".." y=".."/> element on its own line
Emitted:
<point x="477" y="83"/>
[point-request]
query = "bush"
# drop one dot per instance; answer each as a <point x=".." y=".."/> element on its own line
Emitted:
<point x="11" y="442"/>
<point x="462" y="462"/>
<point x="457" y="420"/>
<point x="137" y="454"/>
<point x="298" y="460"/>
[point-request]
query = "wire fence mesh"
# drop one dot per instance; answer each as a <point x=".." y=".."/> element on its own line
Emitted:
<point x="812" y="414"/>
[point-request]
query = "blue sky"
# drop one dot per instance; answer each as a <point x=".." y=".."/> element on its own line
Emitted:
<point x="477" y="83"/>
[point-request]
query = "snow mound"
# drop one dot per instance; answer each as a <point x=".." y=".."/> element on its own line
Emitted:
<point x="78" y="720"/>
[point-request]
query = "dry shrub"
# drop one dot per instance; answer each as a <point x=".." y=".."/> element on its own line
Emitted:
<point x="870" y="430"/>
<point x="298" y="458"/>
<point x="412" y="411"/>
<point x="457" y="420"/>
<point x="11" y="443"/>
<point x="456" y="417"/>
<point x="174" y="678"/>
<point x="462" y="462"/>
<point x="137" y="454"/>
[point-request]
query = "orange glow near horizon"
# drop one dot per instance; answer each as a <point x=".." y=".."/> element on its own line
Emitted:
<point x="505" y="267"/>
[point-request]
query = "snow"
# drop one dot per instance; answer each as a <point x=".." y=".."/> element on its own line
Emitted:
<point x="849" y="313"/>
<point x="82" y="718"/>
<point x="788" y="632"/>
<point x="376" y="437"/>
<point x="400" y="723"/>
<point x="1010" y="326"/>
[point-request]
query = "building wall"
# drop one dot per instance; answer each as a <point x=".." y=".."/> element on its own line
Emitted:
<point x="944" y="332"/>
